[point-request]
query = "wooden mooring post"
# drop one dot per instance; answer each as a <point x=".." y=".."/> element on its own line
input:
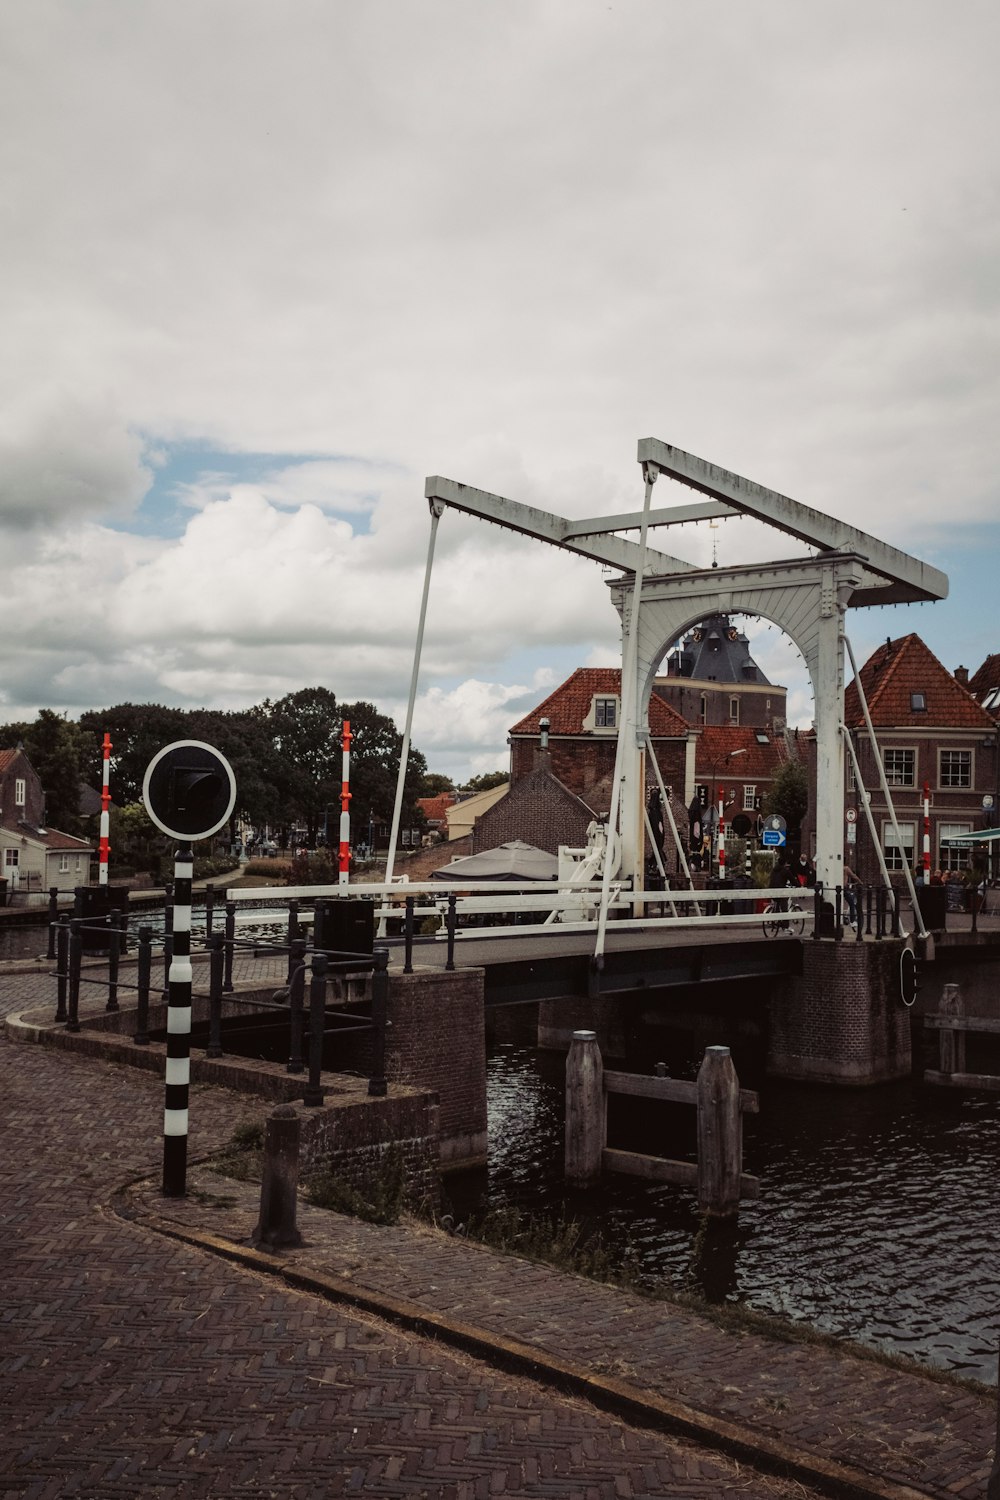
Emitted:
<point x="720" y="1103"/>
<point x="953" y="1025"/>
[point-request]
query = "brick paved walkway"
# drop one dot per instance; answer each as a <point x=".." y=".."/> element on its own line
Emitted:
<point x="132" y="1362"/>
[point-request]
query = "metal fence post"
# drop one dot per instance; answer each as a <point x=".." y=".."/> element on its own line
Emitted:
<point x="377" y="1086"/>
<point x="227" y="977"/>
<point x="144" y="972"/>
<point x="114" y="957"/>
<point x="168" y="937"/>
<point x="75" y="956"/>
<point x="209" y="914"/>
<point x="293" y="933"/>
<point x="62" y="964"/>
<point x="408" y="936"/>
<point x="296" y="993"/>
<point x="452" y="919"/>
<point x="216" y="963"/>
<point x="53" y="919"/>
<point x="317" y="1021"/>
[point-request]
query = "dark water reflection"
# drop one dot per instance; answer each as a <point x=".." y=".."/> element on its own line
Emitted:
<point x="877" y="1219"/>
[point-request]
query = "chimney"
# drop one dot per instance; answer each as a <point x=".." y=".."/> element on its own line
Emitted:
<point x="962" y="676"/>
<point x="543" y="729"/>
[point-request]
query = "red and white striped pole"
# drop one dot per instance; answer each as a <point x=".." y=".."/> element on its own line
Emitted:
<point x="345" y="805"/>
<point x="927" y="833"/>
<point x="722" y="834"/>
<point x="104" y="847"/>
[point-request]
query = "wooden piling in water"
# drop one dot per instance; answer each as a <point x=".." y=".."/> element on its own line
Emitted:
<point x="585" y="1110"/>
<point x="720" y="1134"/>
<point x="951" y="1044"/>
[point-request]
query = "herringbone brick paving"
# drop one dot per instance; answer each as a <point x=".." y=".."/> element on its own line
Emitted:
<point x="889" y="1422"/>
<point x="131" y="1364"/>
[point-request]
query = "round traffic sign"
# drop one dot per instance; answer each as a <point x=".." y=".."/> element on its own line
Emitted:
<point x="189" y="790"/>
<point x="851" y="815"/>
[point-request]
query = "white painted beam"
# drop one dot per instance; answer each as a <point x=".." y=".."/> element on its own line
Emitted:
<point x="909" y="579"/>
<point x="613" y="551"/>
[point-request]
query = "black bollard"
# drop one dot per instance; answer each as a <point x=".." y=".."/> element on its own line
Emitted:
<point x="144" y="972"/>
<point x="279" y="1183"/>
<point x="377" y="1086"/>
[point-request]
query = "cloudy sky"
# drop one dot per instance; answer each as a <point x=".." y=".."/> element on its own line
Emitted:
<point x="267" y="265"/>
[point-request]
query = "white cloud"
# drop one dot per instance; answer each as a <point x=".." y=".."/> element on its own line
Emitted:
<point x="498" y="242"/>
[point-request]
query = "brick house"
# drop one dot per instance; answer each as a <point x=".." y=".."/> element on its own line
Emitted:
<point x="33" y="858"/>
<point x="930" y="729"/>
<point x="584" y="713"/>
<point x="741" y="762"/>
<point x="984" y="685"/>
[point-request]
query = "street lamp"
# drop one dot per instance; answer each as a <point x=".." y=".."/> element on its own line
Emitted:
<point x="721" y="796"/>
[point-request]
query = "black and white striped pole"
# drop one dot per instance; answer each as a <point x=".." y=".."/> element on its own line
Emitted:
<point x="189" y="791"/>
<point x="178" y="1074"/>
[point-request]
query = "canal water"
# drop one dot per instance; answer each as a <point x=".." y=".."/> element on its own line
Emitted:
<point x="879" y="1213"/>
<point x="878" y="1218"/>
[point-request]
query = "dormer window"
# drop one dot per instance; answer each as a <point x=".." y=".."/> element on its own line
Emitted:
<point x="918" y="703"/>
<point x="603" y="715"/>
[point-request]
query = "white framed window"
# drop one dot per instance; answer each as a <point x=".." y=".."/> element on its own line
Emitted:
<point x="900" y="767"/>
<point x="959" y="857"/>
<point x="11" y="859"/>
<point x="734" y="710"/>
<point x="605" y="713"/>
<point x="703" y="708"/>
<point x="852" y="780"/>
<point x="20" y="791"/>
<point x="955" y="769"/>
<point x="79" y="863"/>
<point x="899" y="853"/>
<point x="749" y="797"/>
<point x="64" y="864"/>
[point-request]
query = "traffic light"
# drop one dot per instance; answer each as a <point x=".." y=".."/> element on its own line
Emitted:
<point x="909" y="975"/>
<point x="192" y="793"/>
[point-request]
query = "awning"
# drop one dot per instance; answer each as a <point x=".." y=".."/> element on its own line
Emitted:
<point x="513" y="861"/>
<point x="985" y="836"/>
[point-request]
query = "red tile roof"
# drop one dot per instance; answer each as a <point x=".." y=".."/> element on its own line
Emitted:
<point x="717" y="742"/>
<point x="7" y="758"/>
<point x="569" y="705"/>
<point x="903" y="667"/>
<point x="435" y="808"/>
<point x="987" y="677"/>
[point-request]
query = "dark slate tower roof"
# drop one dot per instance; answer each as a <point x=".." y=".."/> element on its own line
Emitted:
<point x="715" y="651"/>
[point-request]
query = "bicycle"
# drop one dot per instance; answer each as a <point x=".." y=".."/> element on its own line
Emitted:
<point x="776" y="921"/>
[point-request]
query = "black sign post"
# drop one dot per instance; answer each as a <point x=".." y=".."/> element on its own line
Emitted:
<point x="189" y="791"/>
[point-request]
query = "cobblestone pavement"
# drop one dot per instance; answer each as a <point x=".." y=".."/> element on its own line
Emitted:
<point x="136" y="1363"/>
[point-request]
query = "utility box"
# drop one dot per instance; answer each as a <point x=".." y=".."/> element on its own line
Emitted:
<point x="933" y="903"/>
<point x="93" y="904"/>
<point x="344" y="926"/>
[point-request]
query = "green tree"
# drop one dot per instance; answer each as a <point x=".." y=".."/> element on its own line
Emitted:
<point x="433" y="784"/>
<point x="788" y="797"/>
<point x="138" y="731"/>
<point x="486" y="782"/>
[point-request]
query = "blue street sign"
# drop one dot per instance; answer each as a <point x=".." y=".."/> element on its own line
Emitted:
<point x="772" y="838"/>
